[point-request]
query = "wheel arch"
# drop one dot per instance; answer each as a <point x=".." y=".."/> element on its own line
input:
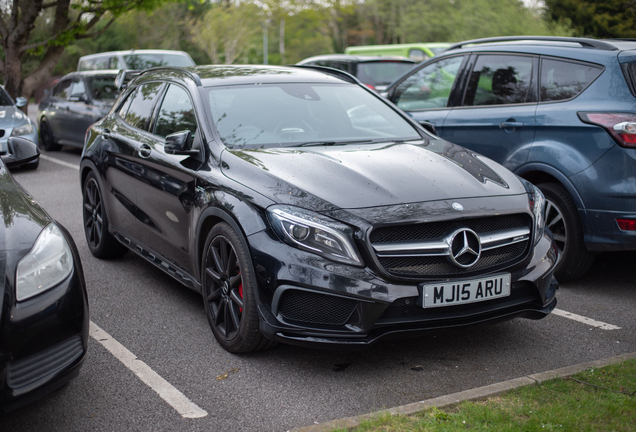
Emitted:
<point x="537" y="173"/>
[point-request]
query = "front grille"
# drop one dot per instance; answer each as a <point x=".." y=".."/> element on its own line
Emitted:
<point x="315" y="308"/>
<point x="439" y="265"/>
<point x="407" y="309"/>
<point x="407" y="263"/>
<point x="23" y="372"/>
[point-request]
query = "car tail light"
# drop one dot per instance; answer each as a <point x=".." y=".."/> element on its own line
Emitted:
<point x="627" y="224"/>
<point x="622" y="126"/>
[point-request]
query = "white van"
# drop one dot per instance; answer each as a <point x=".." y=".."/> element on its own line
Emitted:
<point x="134" y="60"/>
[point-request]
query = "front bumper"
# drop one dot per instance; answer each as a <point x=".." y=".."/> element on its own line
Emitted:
<point x="43" y="340"/>
<point x="306" y="300"/>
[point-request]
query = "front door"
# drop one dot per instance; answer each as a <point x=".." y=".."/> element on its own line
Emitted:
<point x="497" y="115"/>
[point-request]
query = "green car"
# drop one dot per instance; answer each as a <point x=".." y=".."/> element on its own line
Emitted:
<point x="417" y="52"/>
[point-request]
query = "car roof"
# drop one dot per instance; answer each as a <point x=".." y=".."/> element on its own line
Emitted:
<point x="353" y="58"/>
<point x="222" y="75"/>
<point x="91" y="73"/>
<point x="547" y="41"/>
<point x="126" y="52"/>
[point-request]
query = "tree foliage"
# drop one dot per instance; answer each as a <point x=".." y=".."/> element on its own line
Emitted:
<point x="593" y="18"/>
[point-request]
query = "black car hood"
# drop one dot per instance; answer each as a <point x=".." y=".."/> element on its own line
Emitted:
<point x="327" y="178"/>
<point x="11" y="116"/>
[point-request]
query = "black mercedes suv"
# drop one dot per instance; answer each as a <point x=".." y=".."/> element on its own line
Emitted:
<point x="307" y="209"/>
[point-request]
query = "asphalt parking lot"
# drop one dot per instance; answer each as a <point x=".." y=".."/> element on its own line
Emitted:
<point x="154" y="365"/>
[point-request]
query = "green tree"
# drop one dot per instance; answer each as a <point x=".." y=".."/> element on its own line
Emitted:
<point x="44" y="28"/>
<point x="593" y="18"/>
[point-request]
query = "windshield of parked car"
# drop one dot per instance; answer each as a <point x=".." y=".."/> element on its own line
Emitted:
<point x="382" y="73"/>
<point x="147" y="61"/>
<point x="302" y="114"/>
<point x="103" y="87"/>
<point x="5" y="99"/>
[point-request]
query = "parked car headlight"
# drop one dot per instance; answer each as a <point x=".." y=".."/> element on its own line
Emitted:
<point x="315" y="233"/>
<point x="49" y="262"/>
<point x="24" y="129"/>
<point x="537" y="204"/>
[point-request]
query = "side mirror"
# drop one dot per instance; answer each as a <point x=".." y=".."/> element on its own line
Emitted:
<point x="19" y="152"/>
<point x="21" y="101"/>
<point x="180" y="143"/>
<point x="78" y="98"/>
<point x="428" y="126"/>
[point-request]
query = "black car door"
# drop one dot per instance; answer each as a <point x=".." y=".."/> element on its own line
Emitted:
<point x="165" y="192"/>
<point x="129" y="141"/>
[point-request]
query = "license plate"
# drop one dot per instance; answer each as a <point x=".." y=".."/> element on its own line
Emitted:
<point x="466" y="291"/>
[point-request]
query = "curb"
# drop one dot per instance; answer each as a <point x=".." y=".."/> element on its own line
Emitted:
<point x="467" y="395"/>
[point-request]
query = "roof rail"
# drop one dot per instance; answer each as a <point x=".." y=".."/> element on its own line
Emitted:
<point x="194" y="76"/>
<point x="331" y="71"/>
<point x="584" y="42"/>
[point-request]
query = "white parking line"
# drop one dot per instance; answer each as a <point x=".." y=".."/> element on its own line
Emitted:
<point x="164" y="389"/>
<point x="59" y="162"/>
<point x="585" y="320"/>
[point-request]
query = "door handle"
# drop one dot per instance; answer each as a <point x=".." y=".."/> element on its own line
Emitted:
<point x="510" y="125"/>
<point x="106" y="134"/>
<point x="144" y="151"/>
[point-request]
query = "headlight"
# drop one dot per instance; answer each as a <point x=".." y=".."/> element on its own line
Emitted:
<point x="537" y="204"/>
<point x="25" y="129"/>
<point x="314" y="233"/>
<point x="47" y="264"/>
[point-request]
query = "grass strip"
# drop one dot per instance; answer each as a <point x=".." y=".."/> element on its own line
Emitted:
<point x="598" y="399"/>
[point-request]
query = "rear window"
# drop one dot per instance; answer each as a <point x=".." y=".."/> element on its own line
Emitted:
<point x="561" y="80"/>
<point x="382" y="73"/>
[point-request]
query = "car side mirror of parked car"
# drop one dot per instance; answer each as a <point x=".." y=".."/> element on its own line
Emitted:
<point x="78" y="98"/>
<point x="21" y="101"/>
<point x="180" y="143"/>
<point x="428" y="126"/>
<point x="19" y="152"/>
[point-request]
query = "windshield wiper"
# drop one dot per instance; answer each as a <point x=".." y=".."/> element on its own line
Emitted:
<point x="329" y="143"/>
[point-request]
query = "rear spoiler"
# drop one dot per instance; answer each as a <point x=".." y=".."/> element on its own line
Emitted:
<point x="124" y="77"/>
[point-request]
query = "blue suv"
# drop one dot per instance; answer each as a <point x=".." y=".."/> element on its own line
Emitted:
<point x="559" y="112"/>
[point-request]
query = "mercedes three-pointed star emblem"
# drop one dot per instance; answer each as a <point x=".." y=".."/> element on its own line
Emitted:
<point x="465" y="248"/>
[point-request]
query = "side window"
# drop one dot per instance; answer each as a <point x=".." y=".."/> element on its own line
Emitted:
<point x="141" y="105"/>
<point x="114" y="63"/>
<point x="101" y="63"/>
<point x="176" y="114"/>
<point x="562" y="80"/>
<point x="78" y="88"/>
<point x="429" y="87"/>
<point x="417" y="55"/>
<point x="500" y="80"/>
<point x="63" y="89"/>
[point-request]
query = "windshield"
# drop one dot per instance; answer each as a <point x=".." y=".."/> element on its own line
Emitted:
<point x="147" y="61"/>
<point x="103" y="87"/>
<point x="297" y="114"/>
<point x="382" y="73"/>
<point x="5" y="99"/>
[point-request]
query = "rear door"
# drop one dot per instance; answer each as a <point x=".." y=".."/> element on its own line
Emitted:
<point x="428" y="93"/>
<point x="497" y="114"/>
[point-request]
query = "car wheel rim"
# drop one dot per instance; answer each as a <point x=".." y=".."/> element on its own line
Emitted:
<point x="47" y="139"/>
<point x="93" y="221"/>
<point x="223" y="287"/>
<point x="556" y="224"/>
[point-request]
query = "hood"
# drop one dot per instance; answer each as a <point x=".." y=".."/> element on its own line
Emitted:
<point x="326" y="178"/>
<point x="10" y="117"/>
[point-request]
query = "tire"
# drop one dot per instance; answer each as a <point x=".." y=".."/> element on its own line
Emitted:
<point x="562" y="218"/>
<point x="228" y="288"/>
<point x="101" y="243"/>
<point x="46" y="137"/>
<point x="31" y="165"/>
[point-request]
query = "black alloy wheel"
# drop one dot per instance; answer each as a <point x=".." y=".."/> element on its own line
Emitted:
<point x="101" y="243"/>
<point x="228" y="292"/>
<point x="562" y="218"/>
<point x="46" y="137"/>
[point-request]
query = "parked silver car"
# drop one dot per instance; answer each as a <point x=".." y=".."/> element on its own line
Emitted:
<point x="13" y="122"/>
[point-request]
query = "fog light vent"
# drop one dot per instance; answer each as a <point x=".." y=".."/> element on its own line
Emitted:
<point x="314" y="308"/>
